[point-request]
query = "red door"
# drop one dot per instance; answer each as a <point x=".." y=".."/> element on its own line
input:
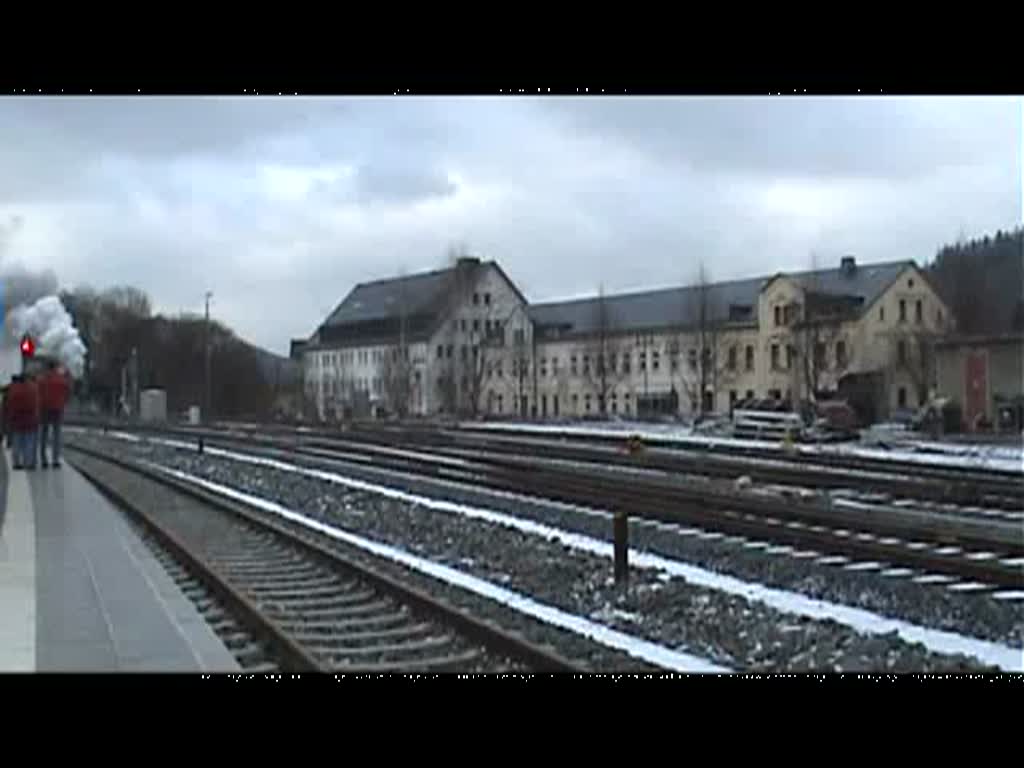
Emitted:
<point x="975" y="387"/>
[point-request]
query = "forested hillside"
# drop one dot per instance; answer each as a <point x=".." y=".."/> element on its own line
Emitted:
<point x="982" y="281"/>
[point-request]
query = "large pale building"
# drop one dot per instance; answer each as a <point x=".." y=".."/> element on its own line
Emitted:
<point x="465" y="340"/>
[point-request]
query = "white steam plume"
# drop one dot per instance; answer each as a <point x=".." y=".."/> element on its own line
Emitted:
<point x="50" y="325"/>
<point x="29" y="300"/>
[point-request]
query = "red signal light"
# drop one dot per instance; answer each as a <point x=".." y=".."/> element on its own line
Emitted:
<point x="28" y="347"/>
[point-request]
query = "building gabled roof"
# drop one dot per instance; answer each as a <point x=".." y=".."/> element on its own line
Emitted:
<point x="679" y="307"/>
<point x="378" y="311"/>
<point x="383" y="299"/>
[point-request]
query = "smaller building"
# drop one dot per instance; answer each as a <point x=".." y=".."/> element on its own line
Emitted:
<point x="985" y="375"/>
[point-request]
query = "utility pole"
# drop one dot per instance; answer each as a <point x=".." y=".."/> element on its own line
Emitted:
<point x="206" y="346"/>
<point x="135" y="383"/>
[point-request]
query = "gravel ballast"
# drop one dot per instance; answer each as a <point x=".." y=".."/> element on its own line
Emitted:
<point x="726" y="629"/>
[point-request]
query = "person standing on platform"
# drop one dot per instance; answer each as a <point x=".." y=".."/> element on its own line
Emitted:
<point x="22" y="407"/>
<point x="54" y="389"/>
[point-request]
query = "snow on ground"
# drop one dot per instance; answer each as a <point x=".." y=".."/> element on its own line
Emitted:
<point x="1003" y="656"/>
<point x="635" y="646"/>
<point x="995" y="457"/>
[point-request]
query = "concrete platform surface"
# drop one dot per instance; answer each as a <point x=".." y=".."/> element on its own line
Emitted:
<point x="80" y="591"/>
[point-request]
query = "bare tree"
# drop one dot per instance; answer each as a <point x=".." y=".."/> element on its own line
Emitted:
<point x="395" y="368"/>
<point x="709" y="364"/>
<point x="816" y="325"/>
<point x="395" y="373"/>
<point x="601" y="357"/>
<point x="913" y="353"/>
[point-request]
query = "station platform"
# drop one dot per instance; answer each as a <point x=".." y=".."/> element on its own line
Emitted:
<point x="81" y="592"/>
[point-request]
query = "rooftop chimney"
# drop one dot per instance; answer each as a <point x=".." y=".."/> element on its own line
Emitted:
<point x="848" y="265"/>
<point x="467" y="261"/>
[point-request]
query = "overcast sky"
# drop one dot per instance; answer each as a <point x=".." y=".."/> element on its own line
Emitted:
<point x="280" y="205"/>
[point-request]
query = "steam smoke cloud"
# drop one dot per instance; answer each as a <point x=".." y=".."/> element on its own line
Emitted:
<point x="50" y="325"/>
<point x="32" y="307"/>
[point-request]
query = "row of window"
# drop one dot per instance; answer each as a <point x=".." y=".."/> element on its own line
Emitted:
<point x="918" y="312"/>
<point x="576" y="364"/>
<point x="349" y="357"/>
<point x="820" y="357"/>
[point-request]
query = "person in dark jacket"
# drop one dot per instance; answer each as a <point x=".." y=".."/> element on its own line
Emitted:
<point x="22" y="406"/>
<point x="54" y="389"/>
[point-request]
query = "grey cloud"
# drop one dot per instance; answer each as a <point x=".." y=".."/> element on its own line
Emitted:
<point x="280" y="206"/>
<point x="160" y="126"/>
<point x="877" y="137"/>
<point x="400" y="185"/>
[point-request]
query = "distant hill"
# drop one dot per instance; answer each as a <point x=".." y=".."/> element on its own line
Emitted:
<point x="275" y="368"/>
<point x="982" y="281"/>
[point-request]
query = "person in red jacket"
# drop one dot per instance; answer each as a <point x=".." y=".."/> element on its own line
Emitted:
<point x="22" y="407"/>
<point x="54" y="389"/>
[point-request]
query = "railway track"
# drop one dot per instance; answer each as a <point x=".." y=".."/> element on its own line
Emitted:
<point x="950" y="487"/>
<point x="982" y="554"/>
<point x="291" y="603"/>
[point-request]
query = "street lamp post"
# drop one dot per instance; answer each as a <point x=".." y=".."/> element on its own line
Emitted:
<point x="207" y="402"/>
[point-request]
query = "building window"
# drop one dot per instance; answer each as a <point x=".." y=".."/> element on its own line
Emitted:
<point x="612" y="363"/>
<point x="487" y="299"/>
<point x="750" y="394"/>
<point x="462" y="324"/>
<point x="655" y="360"/>
<point x="910" y="283"/>
<point x="750" y="357"/>
<point x="543" y="367"/>
<point x="903" y="310"/>
<point x="692" y="355"/>
<point x="625" y="362"/>
<point x="881" y="314"/>
<point x="575" y="403"/>
<point x="586" y="402"/>
<point x="732" y="358"/>
<point x="465" y="353"/>
<point x="501" y="399"/>
<point x="901" y="397"/>
<point x="840" y="354"/>
<point x="615" y="403"/>
<point x="476" y="325"/>
<point x="476" y="299"/>
<point x="500" y="374"/>
<point x="919" y="312"/>
<point x="586" y="365"/>
<point x="790" y="354"/>
<point x="775" y="357"/>
<point x="518" y="336"/>
<point x="901" y="352"/>
<point x="572" y="365"/>
<point x="819" y="355"/>
<point x="642" y="361"/>
<point x="450" y="349"/>
<point x="778" y="316"/>
<point x="554" y="366"/>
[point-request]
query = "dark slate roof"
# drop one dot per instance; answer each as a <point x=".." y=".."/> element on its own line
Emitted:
<point x="677" y="306"/>
<point x="377" y="312"/>
<point x="381" y="299"/>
